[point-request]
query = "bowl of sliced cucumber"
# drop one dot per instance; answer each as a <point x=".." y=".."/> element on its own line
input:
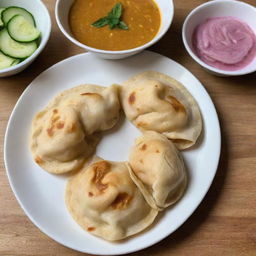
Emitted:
<point x="25" y="28"/>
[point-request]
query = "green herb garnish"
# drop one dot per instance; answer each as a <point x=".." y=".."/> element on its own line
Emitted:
<point x="113" y="19"/>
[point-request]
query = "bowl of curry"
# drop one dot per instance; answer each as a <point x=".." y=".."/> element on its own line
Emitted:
<point x="114" y="29"/>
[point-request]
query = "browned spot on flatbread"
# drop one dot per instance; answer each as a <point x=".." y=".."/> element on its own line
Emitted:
<point x="141" y="161"/>
<point x="132" y="98"/>
<point x="90" y="229"/>
<point x="100" y="170"/>
<point x="38" y="160"/>
<point x="122" y="201"/>
<point x="90" y="194"/>
<point x="53" y="125"/>
<point x="50" y="131"/>
<point x="178" y="107"/>
<point x="60" y="125"/>
<point x="143" y="147"/>
<point x="142" y="124"/>
<point x="157" y="151"/>
<point x="72" y="128"/>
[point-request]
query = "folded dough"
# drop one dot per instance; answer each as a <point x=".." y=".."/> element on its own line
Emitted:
<point x="103" y="200"/>
<point x="58" y="141"/>
<point x="158" y="170"/>
<point x="98" y="106"/>
<point x="156" y="102"/>
<point x="66" y="132"/>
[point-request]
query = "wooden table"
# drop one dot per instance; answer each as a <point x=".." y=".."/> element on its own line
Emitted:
<point x="225" y="222"/>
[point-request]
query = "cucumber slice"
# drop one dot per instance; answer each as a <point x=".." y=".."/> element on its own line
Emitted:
<point x="21" y="30"/>
<point x="1" y="22"/>
<point x="14" y="49"/>
<point x="11" y="11"/>
<point x="6" y="61"/>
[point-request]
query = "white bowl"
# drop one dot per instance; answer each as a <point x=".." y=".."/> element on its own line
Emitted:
<point x="217" y="8"/>
<point x="62" y="12"/>
<point x="43" y="23"/>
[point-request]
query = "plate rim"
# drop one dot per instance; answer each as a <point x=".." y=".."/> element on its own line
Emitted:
<point x="160" y="238"/>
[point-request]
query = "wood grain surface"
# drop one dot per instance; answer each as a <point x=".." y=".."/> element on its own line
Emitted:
<point x="224" y="223"/>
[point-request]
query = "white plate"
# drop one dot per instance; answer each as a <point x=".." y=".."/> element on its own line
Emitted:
<point x="41" y="195"/>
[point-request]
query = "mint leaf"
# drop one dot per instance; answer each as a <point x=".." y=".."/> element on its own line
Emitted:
<point x="113" y="19"/>
<point x="113" y="22"/>
<point x="122" y="25"/>
<point x="101" y="22"/>
<point x="116" y="12"/>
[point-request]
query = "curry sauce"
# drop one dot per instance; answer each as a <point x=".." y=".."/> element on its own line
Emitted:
<point x="142" y="17"/>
